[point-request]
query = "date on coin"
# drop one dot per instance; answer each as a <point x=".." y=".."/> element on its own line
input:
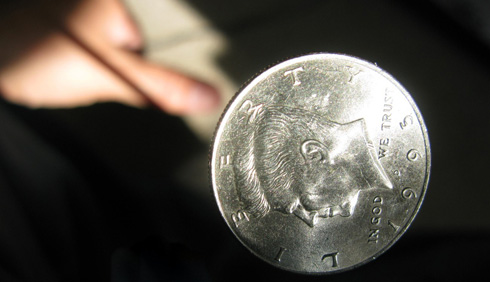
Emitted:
<point x="320" y="163"/>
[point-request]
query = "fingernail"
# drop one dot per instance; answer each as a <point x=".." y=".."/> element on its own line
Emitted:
<point x="202" y="98"/>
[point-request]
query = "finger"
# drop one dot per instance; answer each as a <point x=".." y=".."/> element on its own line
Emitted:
<point x="58" y="73"/>
<point x="108" y="21"/>
<point x="173" y="92"/>
<point x="166" y="89"/>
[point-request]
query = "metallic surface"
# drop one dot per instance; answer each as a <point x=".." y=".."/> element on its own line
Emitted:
<point x="320" y="163"/>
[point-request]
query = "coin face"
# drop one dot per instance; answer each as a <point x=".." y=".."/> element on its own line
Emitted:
<point x="320" y="163"/>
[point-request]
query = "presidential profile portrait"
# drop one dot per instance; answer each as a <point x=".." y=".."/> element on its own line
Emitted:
<point x="301" y="163"/>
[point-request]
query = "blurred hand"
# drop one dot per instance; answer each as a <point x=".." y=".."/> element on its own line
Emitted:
<point x="56" y="71"/>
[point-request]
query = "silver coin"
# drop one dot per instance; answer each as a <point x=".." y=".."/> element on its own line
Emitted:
<point x="320" y="163"/>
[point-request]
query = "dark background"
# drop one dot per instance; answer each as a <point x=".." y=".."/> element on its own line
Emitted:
<point x="145" y="174"/>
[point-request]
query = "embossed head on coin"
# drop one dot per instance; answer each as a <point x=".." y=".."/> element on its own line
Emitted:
<point x="298" y="162"/>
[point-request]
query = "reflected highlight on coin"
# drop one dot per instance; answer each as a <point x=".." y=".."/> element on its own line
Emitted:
<point x="320" y="163"/>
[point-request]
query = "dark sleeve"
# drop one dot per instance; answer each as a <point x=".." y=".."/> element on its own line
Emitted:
<point x="74" y="211"/>
<point x="51" y="227"/>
